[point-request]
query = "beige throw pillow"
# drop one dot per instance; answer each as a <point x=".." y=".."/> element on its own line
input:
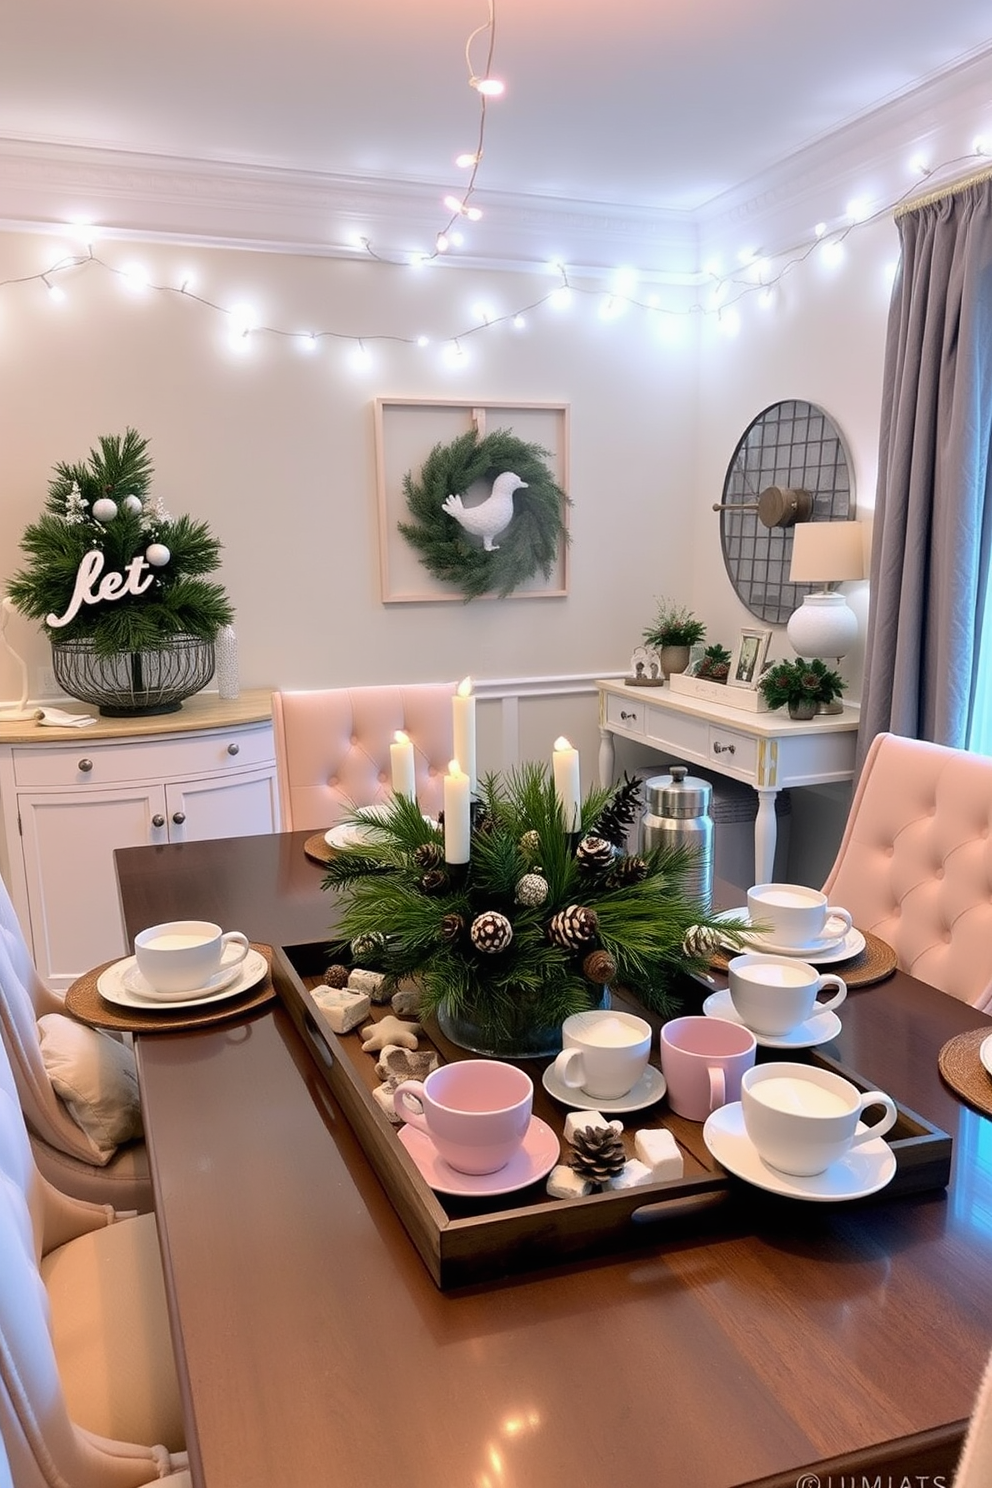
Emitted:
<point x="95" y="1076"/>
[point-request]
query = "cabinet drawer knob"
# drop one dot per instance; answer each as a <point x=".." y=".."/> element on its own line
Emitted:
<point x="627" y="717"/>
<point x="158" y="820"/>
<point x="179" y="817"/>
<point x="234" y="748"/>
<point x="724" y="748"/>
<point x="85" y="765"/>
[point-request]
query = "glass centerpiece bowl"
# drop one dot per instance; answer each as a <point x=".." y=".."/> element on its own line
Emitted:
<point x="540" y="922"/>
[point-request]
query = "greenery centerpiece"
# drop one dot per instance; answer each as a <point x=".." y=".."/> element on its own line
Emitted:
<point x="674" y="625"/>
<point x="118" y="584"/>
<point x="800" y="685"/>
<point x="539" y="924"/>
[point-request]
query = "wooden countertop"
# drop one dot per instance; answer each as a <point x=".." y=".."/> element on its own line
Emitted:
<point x="204" y="710"/>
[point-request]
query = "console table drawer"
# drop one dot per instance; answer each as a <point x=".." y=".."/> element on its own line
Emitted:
<point x="626" y="714"/>
<point x="732" y="752"/>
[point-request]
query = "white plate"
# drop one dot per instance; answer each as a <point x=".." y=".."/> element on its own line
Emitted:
<point x="535" y="1159"/>
<point x="649" y="1089"/>
<point x="851" y="944"/>
<point x="817" y="1029"/>
<point x="864" y="1170"/>
<point x="985" y="1053"/>
<point x="358" y="834"/>
<point x="115" y="985"/>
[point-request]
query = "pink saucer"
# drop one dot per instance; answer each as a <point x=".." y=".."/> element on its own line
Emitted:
<point x="535" y="1159"/>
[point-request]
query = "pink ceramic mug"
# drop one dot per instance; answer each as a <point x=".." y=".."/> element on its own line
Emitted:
<point x="703" y="1060"/>
<point x="475" y="1111"/>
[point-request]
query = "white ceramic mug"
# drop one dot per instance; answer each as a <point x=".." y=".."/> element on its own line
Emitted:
<point x="183" y="955"/>
<point x="604" y="1053"/>
<point x="703" y="1061"/>
<point x="802" y="1118"/>
<point x="775" y="994"/>
<point x="796" y="915"/>
<point x="475" y="1111"/>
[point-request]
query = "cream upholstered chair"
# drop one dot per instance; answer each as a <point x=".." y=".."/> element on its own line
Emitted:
<point x="88" y="1164"/>
<point x="915" y="862"/>
<point x="974" y="1469"/>
<point x="88" y="1390"/>
<point x="332" y="748"/>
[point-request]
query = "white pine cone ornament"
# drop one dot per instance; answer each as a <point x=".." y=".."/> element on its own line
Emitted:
<point x="428" y="855"/>
<point x="530" y="843"/>
<point x="367" y="947"/>
<point x="573" y="926"/>
<point x="598" y="1154"/>
<point x="434" y="881"/>
<point x="627" y="871"/>
<point x="491" y="932"/>
<point x="594" y="855"/>
<point x="451" y="927"/>
<point x="532" y="890"/>
<point x="700" y="940"/>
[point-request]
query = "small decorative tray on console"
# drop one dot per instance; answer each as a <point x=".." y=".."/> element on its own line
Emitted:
<point x="468" y="1240"/>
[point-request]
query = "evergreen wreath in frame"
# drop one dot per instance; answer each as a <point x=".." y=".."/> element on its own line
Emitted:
<point x="528" y="545"/>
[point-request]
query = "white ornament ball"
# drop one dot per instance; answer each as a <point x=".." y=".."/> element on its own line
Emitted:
<point x="158" y="555"/>
<point x="132" y="504"/>
<point x="105" y="510"/>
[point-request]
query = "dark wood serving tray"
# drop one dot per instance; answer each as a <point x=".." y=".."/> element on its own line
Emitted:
<point x="462" y="1241"/>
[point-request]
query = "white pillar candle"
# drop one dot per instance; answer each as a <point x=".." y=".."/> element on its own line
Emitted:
<point x="565" y="761"/>
<point x="457" y="814"/>
<point x="401" y="760"/>
<point x="463" y="711"/>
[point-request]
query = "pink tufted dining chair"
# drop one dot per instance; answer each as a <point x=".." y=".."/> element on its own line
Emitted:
<point x="332" y="748"/>
<point x="86" y="1366"/>
<point x="914" y="865"/>
<point x="63" y="1151"/>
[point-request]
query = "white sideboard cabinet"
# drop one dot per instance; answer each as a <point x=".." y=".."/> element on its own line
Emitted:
<point x="71" y="796"/>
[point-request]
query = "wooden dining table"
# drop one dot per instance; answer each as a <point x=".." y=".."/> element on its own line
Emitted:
<point x="806" y="1345"/>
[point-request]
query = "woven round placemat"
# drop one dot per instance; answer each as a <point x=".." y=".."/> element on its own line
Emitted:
<point x="876" y="962"/>
<point x="962" y="1069"/>
<point x="316" y="848"/>
<point x="84" y="1002"/>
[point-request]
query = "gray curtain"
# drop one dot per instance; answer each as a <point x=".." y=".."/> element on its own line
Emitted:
<point x="933" y="503"/>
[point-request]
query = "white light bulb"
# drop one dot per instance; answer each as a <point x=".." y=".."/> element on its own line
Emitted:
<point x="454" y="205"/>
<point x="819" y="229"/>
<point x="82" y="232"/>
<point x="485" y="313"/>
<point x="457" y="239"/>
<point x="729" y="322"/>
<point x="465" y="162"/>
<point x="918" y="166"/>
<point x="307" y="342"/>
<point x="747" y="256"/>
<point x="561" y="298"/>
<point x="186" y="283"/>
<point x="832" y="253"/>
<point x="134" y="278"/>
<point x="980" y="145"/>
<point x="519" y="322"/>
<point x="712" y="268"/>
<point x="858" y="209"/>
<point x="766" y="298"/>
<point x="454" y="355"/>
<point x="423" y="341"/>
<point x="361" y="358"/>
<point x="55" y="293"/>
<point x="441" y="243"/>
<point x="489" y="87"/>
<point x="473" y="214"/>
<point x="243" y="320"/>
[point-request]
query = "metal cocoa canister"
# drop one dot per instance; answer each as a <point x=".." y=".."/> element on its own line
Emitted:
<point x="678" y="813"/>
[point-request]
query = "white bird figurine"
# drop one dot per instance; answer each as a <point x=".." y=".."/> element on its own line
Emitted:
<point x="490" y="517"/>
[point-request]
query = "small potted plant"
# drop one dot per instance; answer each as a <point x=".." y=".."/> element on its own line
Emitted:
<point x="673" y="632"/>
<point x="715" y="664"/>
<point x="801" y="686"/>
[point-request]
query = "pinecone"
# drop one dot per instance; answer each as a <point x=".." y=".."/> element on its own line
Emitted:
<point x="594" y="855"/>
<point x="700" y="940"/>
<point x="435" y="881"/>
<point x="532" y="890"/>
<point x="336" y="976"/>
<point x="491" y="932"/>
<point x="627" y="871"/>
<point x="598" y="1153"/>
<point x="573" y="926"/>
<point x="599" y="967"/>
<point x="428" y="855"/>
<point x="367" y="947"/>
<point x="451" y="927"/>
<point x="616" y="820"/>
<point x="482" y="819"/>
<point x="530" y="843"/>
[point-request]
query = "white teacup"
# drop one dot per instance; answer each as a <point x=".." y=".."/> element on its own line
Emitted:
<point x="775" y="994"/>
<point x="183" y="955"/>
<point x="604" y="1053"/>
<point x="802" y="1118"/>
<point x="797" y="916"/>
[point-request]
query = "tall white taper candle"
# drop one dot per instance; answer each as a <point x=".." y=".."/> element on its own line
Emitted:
<point x="457" y="814"/>
<point x="401" y="760"/>
<point x="463" y="719"/>
<point x="565" y="762"/>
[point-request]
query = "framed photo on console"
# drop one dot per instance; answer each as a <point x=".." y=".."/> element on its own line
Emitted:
<point x="749" y="658"/>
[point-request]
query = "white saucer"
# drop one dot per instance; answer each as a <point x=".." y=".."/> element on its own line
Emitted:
<point x="864" y="1170"/>
<point x="820" y="953"/>
<point x="649" y="1089"/>
<point x="358" y="834"/>
<point x="119" y="985"/>
<point x="535" y="1159"/>
<point x="817" y="1029"/>
<point x="985" y="1053"/>
<point x="136" y="984"/>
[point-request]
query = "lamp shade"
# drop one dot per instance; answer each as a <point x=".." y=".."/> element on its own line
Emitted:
<point x="827" y="552"/>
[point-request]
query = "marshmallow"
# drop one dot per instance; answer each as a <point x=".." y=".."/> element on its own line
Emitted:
<point x="383" y="1096"/>
<point x="342" y="1009"/>
<point x="577" y="1120"/>
<point x="632" y="1175"/>
<point x="406" y="1001"/>
<point x="564" y="1183"/>
<point x="658" y="1149"/>
<point x="371" y="982"/>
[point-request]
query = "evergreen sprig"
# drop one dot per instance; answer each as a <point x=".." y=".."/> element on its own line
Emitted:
<point x="413" y="926"/>
<point x="530" y="543"/>
<point x="179" y="601"/>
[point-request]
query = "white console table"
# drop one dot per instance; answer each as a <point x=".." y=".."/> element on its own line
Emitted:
<point x="768" y="751"/>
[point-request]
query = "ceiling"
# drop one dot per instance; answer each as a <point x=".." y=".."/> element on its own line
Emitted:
<point x="635" y="121"/>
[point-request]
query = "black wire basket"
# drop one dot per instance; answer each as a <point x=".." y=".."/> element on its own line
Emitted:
<point x="134" y="684"/>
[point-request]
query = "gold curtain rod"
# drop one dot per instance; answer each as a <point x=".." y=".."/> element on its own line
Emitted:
<point x="950" y="190"/>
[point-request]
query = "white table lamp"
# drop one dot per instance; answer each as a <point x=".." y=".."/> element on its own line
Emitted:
<point x="825" y="553"/>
